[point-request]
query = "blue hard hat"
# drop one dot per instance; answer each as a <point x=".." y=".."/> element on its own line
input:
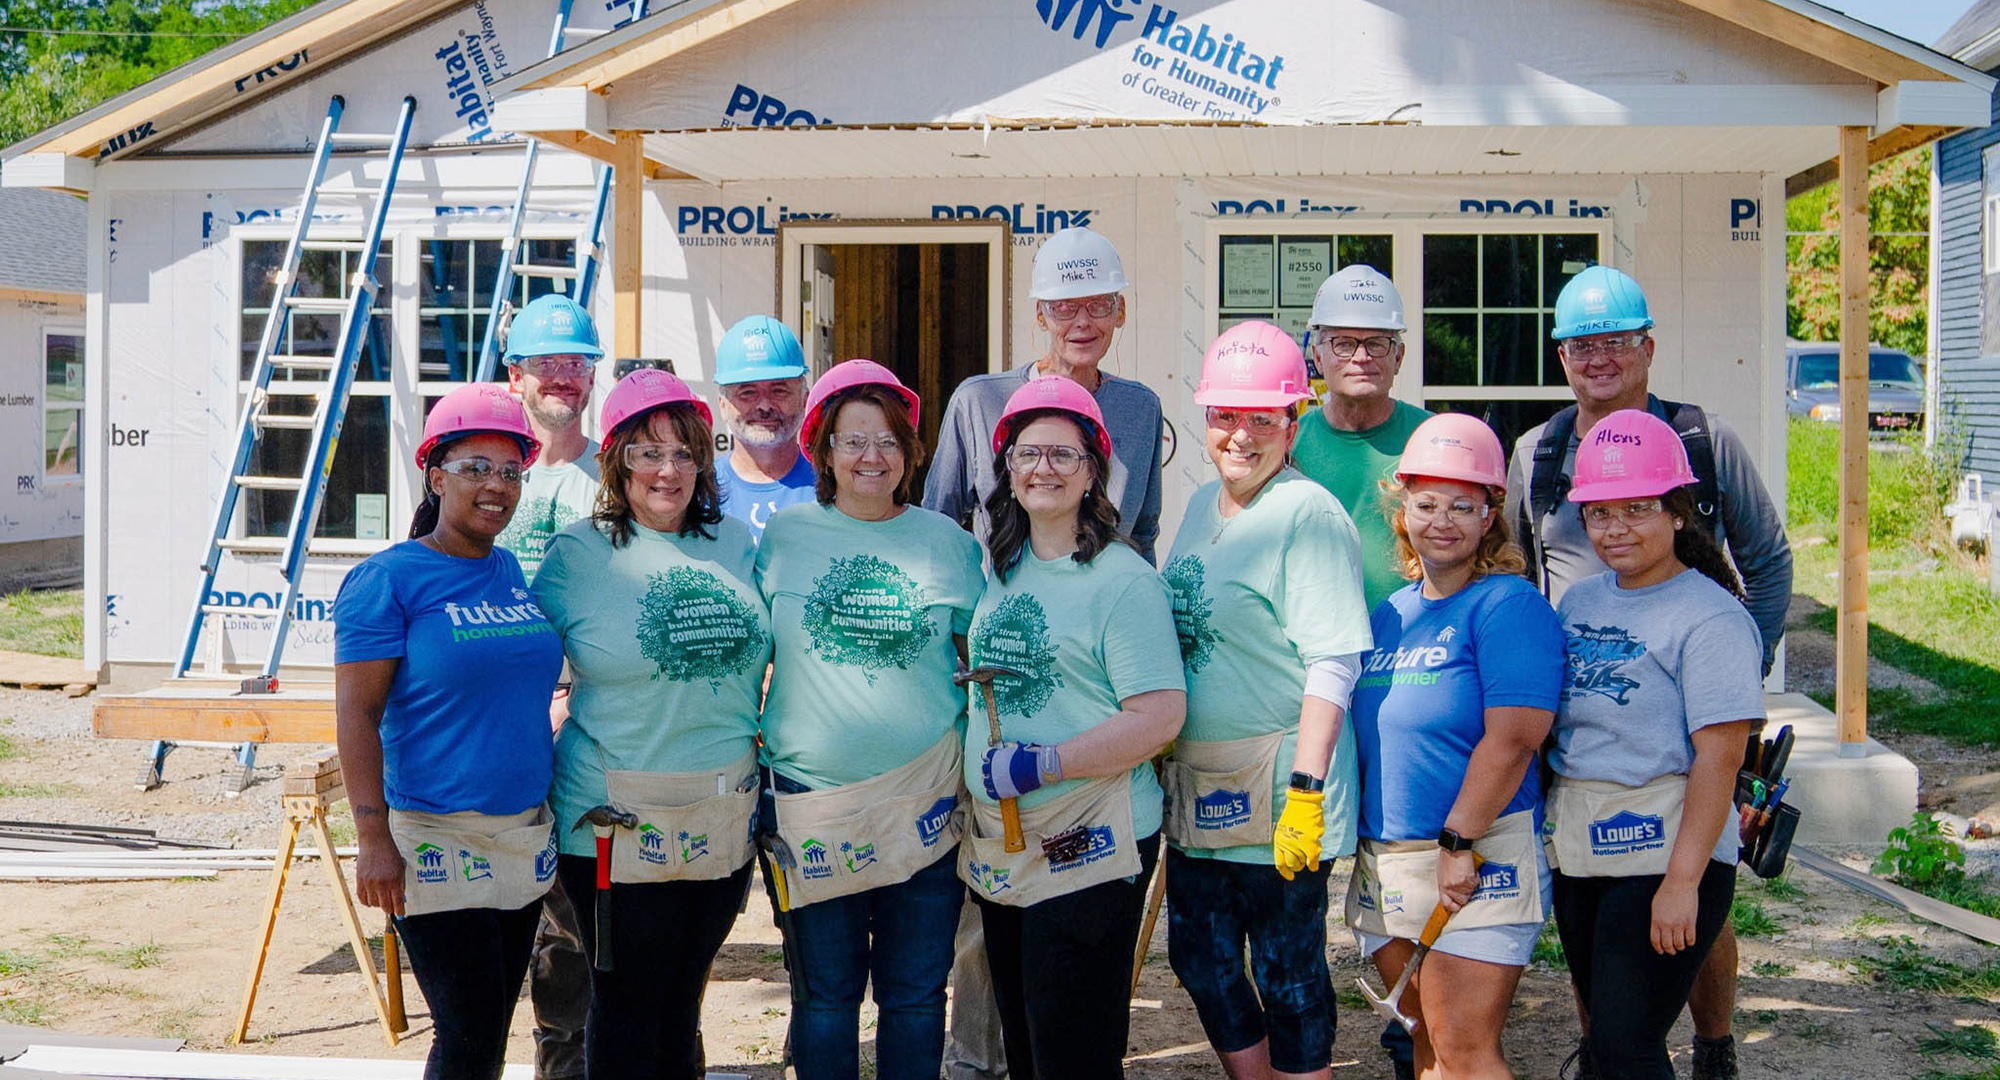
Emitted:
<point x="1600" y="300"/>
<point x="757" y="348"/>
<point x="552" y="325"/>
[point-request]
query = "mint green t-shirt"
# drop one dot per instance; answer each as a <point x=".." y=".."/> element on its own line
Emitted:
<point x="1257" y="597"/>
<point x="552" y="497"/>
<point x="1088" y="636"/>
<point x="667" y="638"/>
<point x="1352" y="465"/>
<point x="863" y="613"/>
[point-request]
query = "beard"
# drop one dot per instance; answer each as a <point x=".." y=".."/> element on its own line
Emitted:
<point x="761" y="436"/>
<point x="553" y="414"/>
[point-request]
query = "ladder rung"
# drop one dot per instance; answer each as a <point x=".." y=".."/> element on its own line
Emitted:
<point x="302" y="363"/>
<point x="271" y="483"/>
<point x="361" y="138"/>
<point x="254" y="545"/>
<point x="544" y="270"/>
<point x="295" y="423"/>
<point x="334" y="245"/>
<point x="235" y="609"/>
<point x="317" y="303"/>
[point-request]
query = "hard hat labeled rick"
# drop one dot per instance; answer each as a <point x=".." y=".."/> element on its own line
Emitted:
<point x="552" y="325"/>
<point x="477" y="409"/>
<point x="756" y="349"/>
<point x="1075" y="263"/>
<point x="643" y="391"/>
<point x="1058" y="393"/>
<point x="1630" y="454"/>
<point x="1454" y="446"/>
<point x="847" y="375"/>
<point x="1253" y="365"/>
<point x="1600" y="300"/>
<point x="1358" y="297"/>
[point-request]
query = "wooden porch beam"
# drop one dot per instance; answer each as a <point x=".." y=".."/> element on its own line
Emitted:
<point x="1851" y="638"/>
<point x="628" y="240"/>
<point x="1880" y="149"/>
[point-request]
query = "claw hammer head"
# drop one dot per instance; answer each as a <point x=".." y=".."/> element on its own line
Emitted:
<point x="984" y="674"/>
<point x="1387" y="1007"/>
<point x="605" y="817"/>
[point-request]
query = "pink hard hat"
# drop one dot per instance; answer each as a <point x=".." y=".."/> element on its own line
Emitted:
<point x="847" y="375"/>
<point x="643" y="391"/>
<point x="1630" y="454"/>
<point x="1454" y="446"/>
<point x="1253" y="365"/>
<point x="473" y="409"/>
<point x="1053" y="392"/>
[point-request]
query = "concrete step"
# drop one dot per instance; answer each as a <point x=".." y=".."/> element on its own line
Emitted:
<point x="1841" y="800"/>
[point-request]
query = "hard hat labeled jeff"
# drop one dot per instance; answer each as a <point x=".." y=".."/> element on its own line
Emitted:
<point x="847" y="375"/>
<point x="474" y="409"/>
<point x="1074" y="263"/>
<point x="1053" y="392"/>
<point x="1253" y="365"/>
<point x="1359" y="297"/>
<point x="757" y="348"/>
<point x="1600" y="300"/>
<point x="1630" y="454"/>
<point x="1454" y="446"/>
<point x="552" y="326"/>
<point x="643" y="391"/>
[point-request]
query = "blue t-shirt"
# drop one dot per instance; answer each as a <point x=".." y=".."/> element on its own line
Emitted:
<point x="753" y="504"/>
<point x="466" y="726"/>
<point x="1420" y="705"/>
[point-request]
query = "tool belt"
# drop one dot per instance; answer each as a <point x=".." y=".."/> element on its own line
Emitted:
<point x="686" y="831"/>
<point x="1080" y="838"/>
<point x="1219" y="793"/>
<point x="875" y="832"/>
<point x="1601" y="828"/>
<point x="452" y="862"/>
<point x="1394" y="887"/>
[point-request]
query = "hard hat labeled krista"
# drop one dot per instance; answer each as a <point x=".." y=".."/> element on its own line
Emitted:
<point x="643" y="391"/>
<point x="552" y="325"/>
<point x="1053" y="392"/>
<point x="1454" y="446"/>
<point x="1253" y="365"/>
<point x="1359" y="297"/>
<point x="477" y="409"/>
<point x="847" y="375"/>
<point x="1630" y="454"/>
<point x="758" y="348"/>
<point x="1074" y="263"/>
<point x="1600" y="300"/>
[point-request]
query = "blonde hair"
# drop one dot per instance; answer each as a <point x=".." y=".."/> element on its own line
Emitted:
<point x="1497" y="554"/>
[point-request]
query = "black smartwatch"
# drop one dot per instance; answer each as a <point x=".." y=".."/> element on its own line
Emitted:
<point x="1307" y="782"/>
<point x="1451" y="841"/>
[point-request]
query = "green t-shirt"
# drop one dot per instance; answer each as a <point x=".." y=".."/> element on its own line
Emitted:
<point x="1088" y="635"/>
<point x="667" y="638"/>
<point x="551" y="498"/>
<point x="1257" y="597"/>
<point x="1352" y="464"/>
<point x="863" y="613"/>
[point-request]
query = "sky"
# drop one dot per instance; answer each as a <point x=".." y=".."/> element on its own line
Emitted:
<point x="1922" y="21"/>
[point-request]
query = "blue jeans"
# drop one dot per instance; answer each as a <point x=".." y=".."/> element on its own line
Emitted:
<point x="900" y="937"/>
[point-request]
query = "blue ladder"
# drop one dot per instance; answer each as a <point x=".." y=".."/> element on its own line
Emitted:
<point x="329" y="408"/>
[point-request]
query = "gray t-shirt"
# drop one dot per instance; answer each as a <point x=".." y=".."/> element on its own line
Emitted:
<point x="552" y="497"/>
<point x="1647" y="667"/>
<point x="961" y="475"/>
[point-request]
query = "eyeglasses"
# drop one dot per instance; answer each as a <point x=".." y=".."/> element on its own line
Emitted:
<point x="1261" y="422"/>
<point x="652" y="457"/>
<point x="1024" y="458"/>
<point x="479" y="470"/>
<point x="1344" y="347"/>
<point x="543" y="367"/>
<point x="1606" y="345"/>
<point x="858" y="442"/>
<point x="1460" y="511"/>
<point x="1598" y="516"/>
<point x="1099" y="307"/>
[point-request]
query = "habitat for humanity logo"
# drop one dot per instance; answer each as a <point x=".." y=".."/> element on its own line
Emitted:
<point x="1596" y="656"/>
<point x="1625" y="833"/>
<point x="471" y="63"/>
<point x="812" y="854"/>
<point x="1205" y="72"/>
<point x="1221" y="809"/>
<point x="652" y="844"/>
<point x="430" y="864"/>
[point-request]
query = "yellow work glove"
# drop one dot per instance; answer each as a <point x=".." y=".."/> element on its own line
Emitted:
<point x="1295" y="841"/>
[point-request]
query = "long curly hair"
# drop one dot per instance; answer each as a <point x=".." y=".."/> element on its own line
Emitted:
<point x="1695" y="546"/>
<point x="1096" y="519"/>
<point x="1497" y="553"/>
<point x="613" y="512"/>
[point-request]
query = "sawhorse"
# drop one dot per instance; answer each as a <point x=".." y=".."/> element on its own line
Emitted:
<point x="310" y="787"/>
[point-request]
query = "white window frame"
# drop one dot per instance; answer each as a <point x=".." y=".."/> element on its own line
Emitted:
<point x="1989" y="202"/>
<point x="75" y="479"/>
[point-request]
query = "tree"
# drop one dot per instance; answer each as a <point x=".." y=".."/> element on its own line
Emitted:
<point x="1899" y="211"/>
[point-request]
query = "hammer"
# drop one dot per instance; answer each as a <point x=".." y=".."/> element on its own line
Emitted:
<point x="1389" y="1007"/>
<point x="602" y="819"/>
<point x="1010" y="809"/>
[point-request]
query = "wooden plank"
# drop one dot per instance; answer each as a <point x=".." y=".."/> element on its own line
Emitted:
<point x="628" y="249"/>
<point x="1816" y="38"/>
<point x="29" y="669"/>
<point x="930" y="337"/>
<point x="298" y="716"/>
<point x="598" y="66"/>
<point x="1893" y="142"/>
<point x="1851" y="638"/>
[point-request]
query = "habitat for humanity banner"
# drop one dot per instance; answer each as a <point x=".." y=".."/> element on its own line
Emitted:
<point x="1265" y="61"/>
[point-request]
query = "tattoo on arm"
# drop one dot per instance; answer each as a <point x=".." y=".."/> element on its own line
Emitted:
<point x="362" y="811"/>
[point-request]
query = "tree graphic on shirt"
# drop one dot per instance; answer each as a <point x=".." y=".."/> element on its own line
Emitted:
<point x="535" y="522"/>
<point x="1193" y="611"/>
<point x="1016" y="634"/>
<point x="692" y="626"/>
<point x="866" y="613"/>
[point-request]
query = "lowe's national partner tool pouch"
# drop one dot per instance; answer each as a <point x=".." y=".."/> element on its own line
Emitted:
<point x="1219" y="793"/>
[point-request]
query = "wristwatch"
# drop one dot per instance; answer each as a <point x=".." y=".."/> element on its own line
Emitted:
<point x="1451" y="841"/>
<point x="1307" y="782"/>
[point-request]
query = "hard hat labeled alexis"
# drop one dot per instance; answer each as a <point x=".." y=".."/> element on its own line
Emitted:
<point x="1359" y="297"/>
<point x="1630" y="454"/>
<point x="1076" y="262"/>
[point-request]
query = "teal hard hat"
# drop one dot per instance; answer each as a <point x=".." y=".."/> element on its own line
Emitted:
<point x="1600" y="300"/>
<point x="757" y="348"/>
<point x="552" y="325"/>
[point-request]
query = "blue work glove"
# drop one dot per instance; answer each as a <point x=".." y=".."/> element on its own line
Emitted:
<point x="1013" y="769"/>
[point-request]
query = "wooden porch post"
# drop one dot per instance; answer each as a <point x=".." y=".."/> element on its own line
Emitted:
<point x="1851" y="644"/>
<point x="628" y="243"/>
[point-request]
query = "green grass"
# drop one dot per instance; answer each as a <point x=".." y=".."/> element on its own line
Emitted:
<point x="1906" y="489"/>
<point x="1747" y="915"/>
<point x="44" y="621"/>
<point x="1978" y="1043"/>
<point x="16" y="962"/>
<point x="1771" y="969"/>
<point x="27" y="1012"/>
<point x="134" y="956"/>
<point x="10" y="790"/>
<point x="1549" y="950"/>
<point x="1781" y="888"/>
<point x="1991" y="1072"/>
<point x="1904" y="964"/>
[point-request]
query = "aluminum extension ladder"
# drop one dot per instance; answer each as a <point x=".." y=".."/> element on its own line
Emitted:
<point x="513" y="261"/>
<point x="328" y="411"/>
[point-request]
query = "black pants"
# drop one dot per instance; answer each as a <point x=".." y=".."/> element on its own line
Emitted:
<point x="559" y="986"/>
<point x="1062" y="972"/>
<point x="1631" y="993"/>
<point x="645" y="1013"/>
<point x="469" y="965"/>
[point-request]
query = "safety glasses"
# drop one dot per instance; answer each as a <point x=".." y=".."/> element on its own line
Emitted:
<point x="479" y="470"/>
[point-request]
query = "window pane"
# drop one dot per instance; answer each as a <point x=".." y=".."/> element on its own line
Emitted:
<point x="1449" y="265"/>
<point x="1451" y="350"/>
<point x="62" y="356"/>
<point x="1563" y="257"/>
<point x="62" y="442"/>
<point x="443" y="279"/>
<point x="448" y="349"/>
<point x="1508" y="419"/>
<point x="1512" y="356"/>
<point x="321" y="274"/>
<point x="1509" y="267"/>
<point x="1376" y="251"/>
<point x="360" y="468"/>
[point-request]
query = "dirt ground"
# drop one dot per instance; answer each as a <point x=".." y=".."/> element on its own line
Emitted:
<point x="170" y="958"/>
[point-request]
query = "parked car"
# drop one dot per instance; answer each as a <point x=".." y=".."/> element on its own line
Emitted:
<point x="1895" y="385"/>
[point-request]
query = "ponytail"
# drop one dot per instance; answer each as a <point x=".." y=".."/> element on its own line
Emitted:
<point x="1695" y="547"/>
<point x="425" y="520"/>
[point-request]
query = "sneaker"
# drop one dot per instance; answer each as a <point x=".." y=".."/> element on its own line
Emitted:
<point x="1578" y="1066"/>
<point x="1715" y="1059"/>
<point x="1405" y="1070"/>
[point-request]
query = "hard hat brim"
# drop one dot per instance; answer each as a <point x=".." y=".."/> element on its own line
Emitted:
<point x="1637" y="488"/>
<point x="1112" y="286"/>
<point x="1249" y="399"/>
<point x="770" y="374"/>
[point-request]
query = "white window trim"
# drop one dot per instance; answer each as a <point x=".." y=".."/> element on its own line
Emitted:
<point x="1989" y="204"/>
<point x="60" y="480"/>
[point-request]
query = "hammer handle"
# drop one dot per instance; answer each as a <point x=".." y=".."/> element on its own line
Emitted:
<point x="1439" y="915"/>
<point x="1010" y="809"/>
